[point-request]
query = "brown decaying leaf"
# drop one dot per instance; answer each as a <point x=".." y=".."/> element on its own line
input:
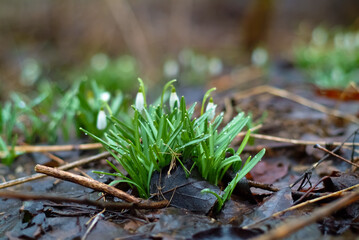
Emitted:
<point x="270" y="171"/>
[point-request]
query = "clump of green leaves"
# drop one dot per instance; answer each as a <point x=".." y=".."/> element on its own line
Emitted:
<point x="330" y="58"/>
<point x="159" y="135"/>
<point x="19" y="119"/>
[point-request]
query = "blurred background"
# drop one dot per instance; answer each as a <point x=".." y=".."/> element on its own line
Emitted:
<point x="117" y="41"/>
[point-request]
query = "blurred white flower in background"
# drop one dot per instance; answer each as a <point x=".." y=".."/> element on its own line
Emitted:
<point x="105" y="96"/>
<point x="319" y="36"/>
<point x="99" y="61"/>
<point x="171" y="68"/>
<point x="215" y="66"/>
<point x="30" y="72"/>
<point x="259" y="57"/>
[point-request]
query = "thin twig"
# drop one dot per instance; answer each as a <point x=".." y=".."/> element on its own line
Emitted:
<point x="85" y="201"/>
<point x="335" y="155"/>
<point x="300" y="142"/>
<point x="295" y="98"/>
<point x="296" y="224"/>
<point x="86" y="182"/>
<point x="53" y="148"/>
<point x="255" y="128"/>
<point x="64" y="167"/>
<point x="310" y="190"/>
<point x="271" y="188"/>
<point x="93" y="223"/>
<point x="308" y="172"/>
<point x="264" y="186"/>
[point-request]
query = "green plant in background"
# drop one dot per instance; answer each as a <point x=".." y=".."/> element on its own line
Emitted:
<point x="111" y="74"/>
<point x="159" y="135"/>
<point x="7" y="122"/>
<point x="19" y="119"/>
<point x="331" y="58"/>
<point x="53" y="114"/>
<point x="92" y="99"/>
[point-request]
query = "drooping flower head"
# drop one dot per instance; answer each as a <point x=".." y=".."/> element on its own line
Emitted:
<point x="140" y="103"/>
<point x="101" y="120"/>
<point x="173" y="98"/>
<point x="211" y="107"/>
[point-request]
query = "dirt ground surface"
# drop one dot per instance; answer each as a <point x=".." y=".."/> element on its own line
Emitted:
<point x="290" y="127"/>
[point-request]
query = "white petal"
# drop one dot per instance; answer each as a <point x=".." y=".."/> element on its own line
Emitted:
<point x="173" y="100"/>
<point x="101" y="120"/>
<point x="211" y="107"/>
<point x="140" y="101"/>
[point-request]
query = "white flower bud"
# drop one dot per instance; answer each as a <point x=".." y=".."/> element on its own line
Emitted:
<point x="173" y="98"/>
<point x="140" y="101"/>
<point x="212" y="108"/>
<point x="105" y="96"/>
<point x="101" y="120"/>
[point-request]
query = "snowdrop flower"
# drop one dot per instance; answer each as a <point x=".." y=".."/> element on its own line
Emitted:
<point x="105" y="96"/>
<point x="259" y="57"/>
<point x="101" y="120"/>
<point x="173" y="98"/>
<point x="215" y="66"/>
<point x="140" y="101"/>
<point x="212" y="108"/>
<point x="171" y="68"/>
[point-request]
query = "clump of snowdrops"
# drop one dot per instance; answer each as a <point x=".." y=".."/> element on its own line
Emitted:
<point x="160" y="134"/>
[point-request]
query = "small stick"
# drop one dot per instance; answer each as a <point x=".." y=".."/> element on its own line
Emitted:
<point x="310" y="190"/>
<point x="300" y="142"/>
<point x="93" y="223"/>
<point x="295" y="98"/>
<point x="271" y="188"/>
<point x="243" y="133"/>
<point x="86" y="182"/>
<point x="54" y="148"/>
<point x="296" y="224"/>
<point x="64" y="167"/>
<point x="85" y="201"/>
<point x="277" y="214"/>
<point x="335" y="155"/>
<point x="264" y="186"/>
<point x="308" y="172"/>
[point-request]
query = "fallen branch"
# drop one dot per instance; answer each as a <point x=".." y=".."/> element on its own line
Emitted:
<point x="86" y="182"/>
<point x="85" y="201"/>
<point x="296" y="224"/>
<point x="64" y="167"/>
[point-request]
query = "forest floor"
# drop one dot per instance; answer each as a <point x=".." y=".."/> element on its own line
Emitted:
<point x="292" y="117"/>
